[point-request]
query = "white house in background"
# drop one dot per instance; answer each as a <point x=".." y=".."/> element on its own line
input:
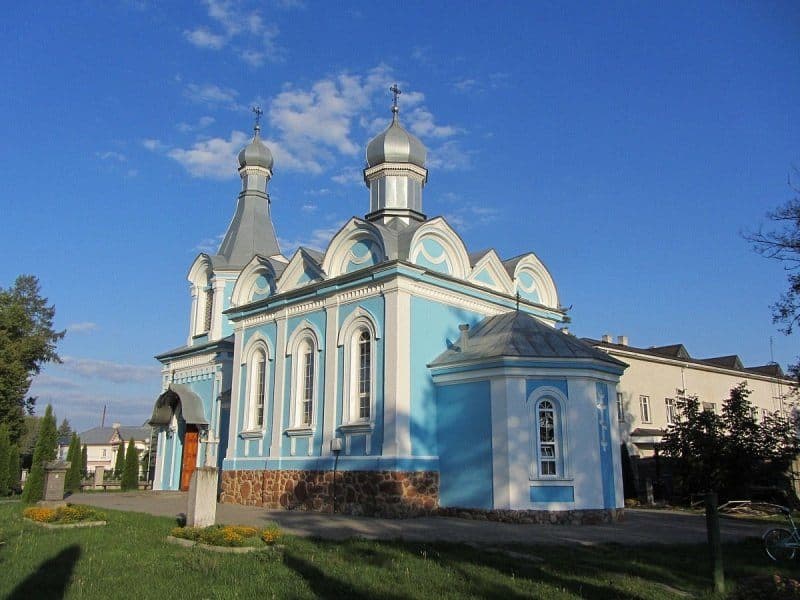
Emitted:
<point x="647" y="391"/>
<point x="102" y="444"/>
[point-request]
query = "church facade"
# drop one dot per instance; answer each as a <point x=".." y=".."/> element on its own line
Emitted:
<point x="395" y="374"/>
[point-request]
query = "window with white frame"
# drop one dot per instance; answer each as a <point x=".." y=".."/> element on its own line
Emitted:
<point x="209" y="306"/>
<point x="364" y="379"/>
<point x="669" y="406"/>
<point x="546" y="439"/>
<point x="257" y="392"/>
<point x="305" y="388"/>
<point x="620" y="408"/>
<point x="358" y="341"/>
<point x="644" y="408"/>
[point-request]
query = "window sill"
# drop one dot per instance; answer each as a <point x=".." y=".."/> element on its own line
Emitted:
<point x="364" y="427"/>
<point x="549" y="480"/>
<point x="302" y="431"/>
<point x="251" y="434"/>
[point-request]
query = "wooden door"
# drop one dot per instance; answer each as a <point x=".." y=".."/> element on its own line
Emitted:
<point x="189" y="462"/>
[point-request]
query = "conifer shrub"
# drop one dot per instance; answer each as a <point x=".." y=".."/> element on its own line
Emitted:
<point x="73" y="476"/>
<point x="119" y="463"/>
<point x="130" y="475"/>
<point x="84" y="462"/>
<point x="45" y="450"/>
<point x="5" y="455"/>
<point x="14" y="469"/>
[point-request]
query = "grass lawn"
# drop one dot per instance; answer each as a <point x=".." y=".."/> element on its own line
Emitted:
<point x="129" y="558"/>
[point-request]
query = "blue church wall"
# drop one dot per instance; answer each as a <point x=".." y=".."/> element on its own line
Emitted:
<point x="559" y="384"/>
<point x="527" y="287"/>
<point x="317" y="320"/>
<point x="365" y="253"/>
<point x="464" y="429"/>
<point x="222" y="432"/>
<point x="375" y="308"/>
<point x="438" y="256"/>
<point x="484" y="277"/>
<point x="434" y="327"/>
<point x="227" y="326"/>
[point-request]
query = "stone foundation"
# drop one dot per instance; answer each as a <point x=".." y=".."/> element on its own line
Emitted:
<point x="395" y="494"/>
<point x="560" y="517"/>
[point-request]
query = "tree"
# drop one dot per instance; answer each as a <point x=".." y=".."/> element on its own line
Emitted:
<point x="65" y="429"/>
<point x="72" y="482"/>
<point x="84" y="462"/>
<point x="46" y="450"/>
<point x="5" y="456"/>
<point x="14" y="471"/>
<point x="27" y="442"/>
<point x="731" y="454"/>
<point x="119" y="463"/>
<point x="27" y="342"/>
<point x="130" y="477"/>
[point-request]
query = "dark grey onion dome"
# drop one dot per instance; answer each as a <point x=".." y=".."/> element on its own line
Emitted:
<point x="396" y="145"/>
<point x="256" y="154"/>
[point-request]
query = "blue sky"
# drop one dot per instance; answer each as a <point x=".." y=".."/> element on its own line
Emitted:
<point x="627" y="144"/>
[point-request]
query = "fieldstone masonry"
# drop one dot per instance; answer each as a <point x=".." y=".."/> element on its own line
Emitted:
<point x="395" y="494"/>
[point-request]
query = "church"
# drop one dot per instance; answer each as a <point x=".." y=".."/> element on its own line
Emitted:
<point x="395" y="374"/>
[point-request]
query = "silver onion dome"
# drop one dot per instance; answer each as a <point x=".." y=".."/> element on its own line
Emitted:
<point x="256" y="154"/>
<point x="396" y="145"/>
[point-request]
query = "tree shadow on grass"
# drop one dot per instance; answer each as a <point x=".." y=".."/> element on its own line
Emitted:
<point x="325" y="586"/>
<point x="51" y="578"/>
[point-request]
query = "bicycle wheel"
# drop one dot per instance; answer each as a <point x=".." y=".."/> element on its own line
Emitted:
<point x="779" y="544"/>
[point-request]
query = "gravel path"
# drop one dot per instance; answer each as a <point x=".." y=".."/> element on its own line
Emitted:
<point x="639" y="527"/>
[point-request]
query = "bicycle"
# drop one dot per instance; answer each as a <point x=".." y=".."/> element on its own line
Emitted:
<point x="780" y="543"/>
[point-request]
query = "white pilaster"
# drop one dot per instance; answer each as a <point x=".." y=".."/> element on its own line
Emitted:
<point x="396" y="392"/>
<point x="216" y="309"/>
<point x="236" y="376"/>
<point x="331" y="372"/>
<point x="192" y="314"/>
<point x="280" y="386"/>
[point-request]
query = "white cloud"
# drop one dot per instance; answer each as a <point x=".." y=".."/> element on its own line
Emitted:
<point x="214" y="158"/>
<point x="471" y="214"/>
<point x="244" y="31"/>
<point x="83" y="326"/>
<point x="317" y="240"/>
<point x="421" y="122"/>
<point x="202" y="123"/>
<point x="449" y="156"/>
<point x="350" y="176"/>
<point x="290" y="4"/>
<point x="209" y="245"/>
<point x="212" y="95"/>
<point x="111" y="155"/>
<point x="203" y="38"/>
<point x="465" y="85"/>
<point x="154" y="145"/>
<point x="109" y="371"/>
<point x="309" y="207"/>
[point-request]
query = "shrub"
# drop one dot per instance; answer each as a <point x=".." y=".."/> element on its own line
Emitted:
<point x="119" y="463"/>
<point x="130" y="476"/>
<point x="5" y="450"/>
<point x="72" y="480"/>
<point x="45" y="450"/>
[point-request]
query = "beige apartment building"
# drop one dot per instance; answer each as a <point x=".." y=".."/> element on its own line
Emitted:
<point x="656" y="375"/>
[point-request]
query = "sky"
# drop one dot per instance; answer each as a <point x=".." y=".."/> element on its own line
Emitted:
<point x="627" y="144"/>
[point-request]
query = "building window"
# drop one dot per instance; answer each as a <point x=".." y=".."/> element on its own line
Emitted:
<point x="620" y="408"/>
<point x="364" y="375"/>
<point x="258" y="389"/>
<point x="710" y="406"/>
<point x="104" y="454"/>
<point x="209" y="305"/>
<point x="308" y="385"/>
<point x="546" y="439"/>
<point x="644" y="407"/>
<point x="764" y="414"/>
<point x="669" y="404"/>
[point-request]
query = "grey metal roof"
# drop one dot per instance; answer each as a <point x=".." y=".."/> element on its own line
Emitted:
<point x="225" y="343"/>
<point x="250" y="232"/>
<point x="103" y="435"/>
<point x="729" y="362"/>
<point x="397" y="145"/>
<point x="167" y="403"/>
<point x="256" y="154"/>
<point x="517" y="334"/>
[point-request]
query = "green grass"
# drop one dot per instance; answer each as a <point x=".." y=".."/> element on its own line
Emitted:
<point x="130" y="558"/>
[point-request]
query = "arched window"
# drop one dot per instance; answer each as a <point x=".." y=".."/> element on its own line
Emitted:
<point x="305" y="384"/>
<point x="546" y="413"/>
<point x="209" y="306"/>
<point x="258" y="392"/>
<point x="363" y="348"/>
<point x="547" y="436"/>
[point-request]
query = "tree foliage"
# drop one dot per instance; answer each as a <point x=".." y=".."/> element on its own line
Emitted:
<point x="5" y="463"/>
<point x="119" y="463"/>
<point x="27" y="341"/>
<point x="65" y="429"/>
<point x="731" y="453"/>
<point x="45" y="450"/>
<point x="84" y="462"/>
<point x="72" y="482"/>
<point x="130" y="477"/>
<point x="14" y="470"/>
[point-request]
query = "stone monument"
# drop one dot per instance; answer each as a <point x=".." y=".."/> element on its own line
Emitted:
<point x="54" y="474"/>
<point x="99" y="473"/>
<point x="202" y="509"/>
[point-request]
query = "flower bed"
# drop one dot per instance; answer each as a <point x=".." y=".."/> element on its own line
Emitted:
<point x="71" y="515"/>
<point x="240" y="537"/>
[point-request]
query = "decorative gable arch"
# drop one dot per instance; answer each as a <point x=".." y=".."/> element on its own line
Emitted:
<point x="437" y="246"/>
<point x="301" y="270"/>
<point x="533" y="282"/>
<point x="255" y="282"/>
<point x="305" y="329"/>
<point x="490" y="272"/>
<point x="359" y="317"/>
<point x="356" y="246"/>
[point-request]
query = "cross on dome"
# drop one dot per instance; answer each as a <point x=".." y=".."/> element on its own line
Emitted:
<point x="257" y="112"/>
<point x="395" y="93"/>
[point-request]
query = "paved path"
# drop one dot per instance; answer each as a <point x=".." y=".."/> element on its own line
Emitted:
<point x="639" y="527"/>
